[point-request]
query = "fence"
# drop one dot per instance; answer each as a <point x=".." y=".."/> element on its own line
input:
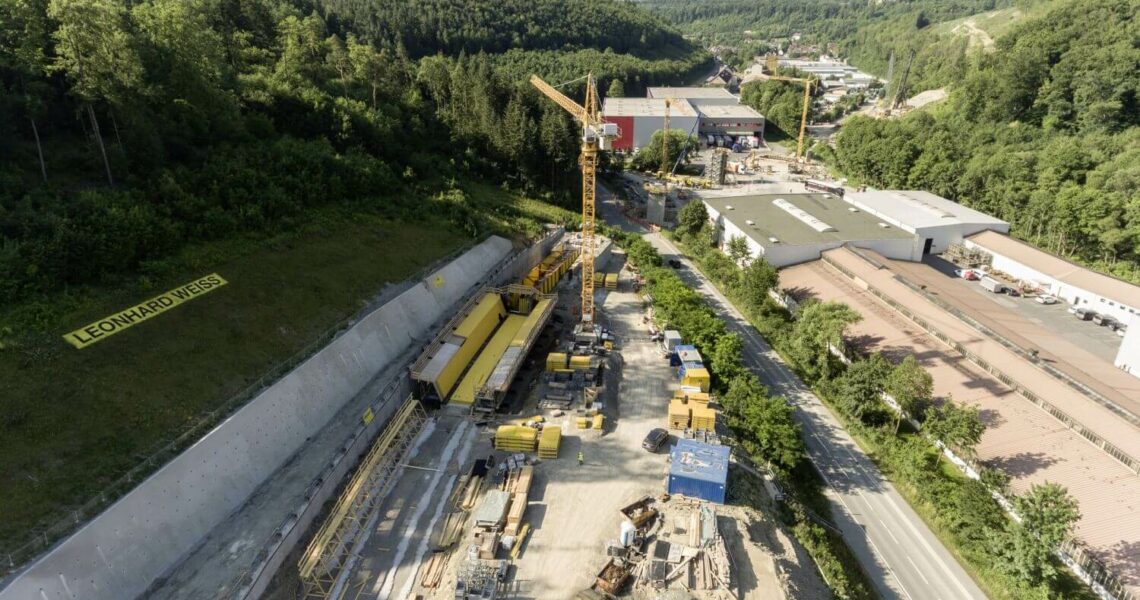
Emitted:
<point x="44" y="537"/>
<point x="1084" y="564"/>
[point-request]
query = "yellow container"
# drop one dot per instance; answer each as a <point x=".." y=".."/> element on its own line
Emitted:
<point x="579" y="362"/>
<point x="556" y="361"/>
<point x="698" y="378"/>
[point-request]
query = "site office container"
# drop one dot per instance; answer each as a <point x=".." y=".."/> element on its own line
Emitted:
<point x="687" y="367"/>
<point x="699" y="470"/>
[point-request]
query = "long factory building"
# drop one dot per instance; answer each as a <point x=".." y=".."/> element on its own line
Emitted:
<point x="696" y="110"/>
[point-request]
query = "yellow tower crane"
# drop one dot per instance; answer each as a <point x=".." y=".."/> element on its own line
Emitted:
<point x="665" y="170"/>
<point x="596" y="136"/>
<point x="803" y="117"/>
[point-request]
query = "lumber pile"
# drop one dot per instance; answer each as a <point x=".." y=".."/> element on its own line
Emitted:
<point x="678" y="415"/>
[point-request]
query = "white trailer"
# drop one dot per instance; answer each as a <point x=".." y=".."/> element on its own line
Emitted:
<point x="993" y="285"/>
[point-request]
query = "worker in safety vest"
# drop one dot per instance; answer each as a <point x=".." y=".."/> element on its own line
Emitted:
<point x="581" y="458"/>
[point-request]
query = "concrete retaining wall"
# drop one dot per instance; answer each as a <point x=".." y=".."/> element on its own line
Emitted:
<point x="139" y="538"/>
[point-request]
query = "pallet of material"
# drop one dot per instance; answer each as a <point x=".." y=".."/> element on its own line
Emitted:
<point x="580" y="362"/>
<point x="679" y="414"/>
<point x="516" y="438"/>
<point x="611" y="281"/>
<point x="704" y="418"/>
<point x="549" y="442"/>
<point x="555" y="361"/>
<point x="556" y="401"/>
<point x="515" y="514"/>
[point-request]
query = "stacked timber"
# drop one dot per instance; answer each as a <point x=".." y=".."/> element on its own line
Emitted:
<point x="678" y="415"/>
<point x="549" y="442"/>
<point x="516" y="438"/>
<point x="704" y="418"/>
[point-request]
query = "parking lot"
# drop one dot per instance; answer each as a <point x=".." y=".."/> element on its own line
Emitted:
<point x="1080" y="349"/>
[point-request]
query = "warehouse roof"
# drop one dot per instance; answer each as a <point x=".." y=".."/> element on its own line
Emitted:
<point x="729" y="111"/>
<point x="646" y="107"/>
<point x="694" y="93"/>
<point x="696" y="460"/>
<point x="920" y="209"/>
<point x="1059" y="268"/>
<point x="801" y="219"/>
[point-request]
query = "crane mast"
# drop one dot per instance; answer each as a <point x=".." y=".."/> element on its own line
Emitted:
<point x="803" y="117"/>
<point x="596" y="136"/>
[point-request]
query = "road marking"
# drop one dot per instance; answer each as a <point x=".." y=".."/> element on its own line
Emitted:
<point x="888" y="530"/>
<point x="918" y="570"/>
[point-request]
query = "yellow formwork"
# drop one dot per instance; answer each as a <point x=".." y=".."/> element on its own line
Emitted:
<point x="579" y="362"/>
<point x="474" y="329"/>
<point x="486" y="361"/>
<point x="530" y="323"/>
<point x="703" y="417"/>
<point x="549" y="441"/>
<point x="611" y="281"/>
<point x="678" y="414"/>
<point x="556" y="361"/>
<point x="516" y="438"/>
<point x="698" y="378"/>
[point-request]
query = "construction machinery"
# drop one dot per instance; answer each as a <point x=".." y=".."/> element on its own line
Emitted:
<point x="900" y="90"/>
<point x="597" y="136"/>
<point x="803" y="118"/>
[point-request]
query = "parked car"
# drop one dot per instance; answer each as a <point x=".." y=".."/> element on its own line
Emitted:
<point x="1120" y="331"/>
<point x="967" y="274"/>
<point x="1116" y="325"/>
<point x="1046" y="299"/>
<point x="1084" y="314"/>
<point x="1013" y="292"/>
<point x="676" y="264"/>
<point x="654" y="439"/>
<point x="1104" y="320"/>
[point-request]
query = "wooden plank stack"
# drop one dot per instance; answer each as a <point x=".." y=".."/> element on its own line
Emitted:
<point x="678" y="415"/>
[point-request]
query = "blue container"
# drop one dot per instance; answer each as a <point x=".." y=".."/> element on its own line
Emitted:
<point x="699" y="471"/>
<point x="686" y="366"/>
<point x="680" y="349"/>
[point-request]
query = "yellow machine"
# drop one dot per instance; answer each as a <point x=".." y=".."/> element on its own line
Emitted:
<point x="596" y="136"/>
<point x="803" y="117"/>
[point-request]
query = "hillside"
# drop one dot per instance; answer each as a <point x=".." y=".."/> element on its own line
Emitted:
<point x="145" y="144"/>
<point x="1044" y="132"/>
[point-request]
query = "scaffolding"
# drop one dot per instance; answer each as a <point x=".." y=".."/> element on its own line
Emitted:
<point x="322" y="567"/>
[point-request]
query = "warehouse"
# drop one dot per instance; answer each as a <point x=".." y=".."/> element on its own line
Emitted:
<point x="1070" y="282"/>
<point x="733" y="120"/>
<point x="639" y="118"/>
<point x="788" y="229"/>
<point x="935" y="221"/>
<point x="699" y="470"/>
<point x="699" y="97"/>
<point x="1128" y="356"/>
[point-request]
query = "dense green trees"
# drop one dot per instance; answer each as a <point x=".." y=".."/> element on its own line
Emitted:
<point x="781" y="103"/>
<point x="912" y="388"/>
<point x="649" y="158"/>
<point x="1044" y="133"/>
<point x="203" y="119"/>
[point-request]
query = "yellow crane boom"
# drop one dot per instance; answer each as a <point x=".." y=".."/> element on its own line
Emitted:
<point x="596" y="136"/>
<point x="803" y="117"/>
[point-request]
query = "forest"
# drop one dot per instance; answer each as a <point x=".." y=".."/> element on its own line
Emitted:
<point x="1044" y="133"/>
<point x="134" y="129"/>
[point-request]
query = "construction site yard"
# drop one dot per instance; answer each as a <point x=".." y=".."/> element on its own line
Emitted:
<point x="428" y="533"/>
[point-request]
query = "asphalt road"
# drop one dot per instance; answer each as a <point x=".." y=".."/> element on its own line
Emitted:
<point x="896" y="549"/>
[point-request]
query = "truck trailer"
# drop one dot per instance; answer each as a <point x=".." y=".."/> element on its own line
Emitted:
<point x="992" y="285"/>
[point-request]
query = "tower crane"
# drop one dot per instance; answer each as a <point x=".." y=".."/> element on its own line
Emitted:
<point x="597" y="135"/>
<point x="803" y="117"/>
<point x="665" y="140"/>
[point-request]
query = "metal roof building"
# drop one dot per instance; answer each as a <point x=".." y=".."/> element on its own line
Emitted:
<point x="734" y="119"/>
<point x="936" y="221"/>
<point x="698" y="96"/>
<point x="699" y="470"/>
<point x="1069" y="281"/>
<point x="639" y="118"/>
<point x="788" y="229"/>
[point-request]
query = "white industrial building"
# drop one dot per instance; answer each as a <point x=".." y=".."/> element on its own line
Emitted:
<point x="788" y="229"/>
<point x="639" y="118"/>
<point x="697" y="96"/>
<point x="730" y="119"/>
<point x="1072" y="283"/>
<point x="1128" y="356"/>
<point x="935" y="221"/>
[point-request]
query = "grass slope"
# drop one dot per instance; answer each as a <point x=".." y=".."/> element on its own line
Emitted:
<point x="73" y="421"/>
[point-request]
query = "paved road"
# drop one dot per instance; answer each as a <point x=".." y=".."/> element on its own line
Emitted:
<point x="901" y="555"/>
